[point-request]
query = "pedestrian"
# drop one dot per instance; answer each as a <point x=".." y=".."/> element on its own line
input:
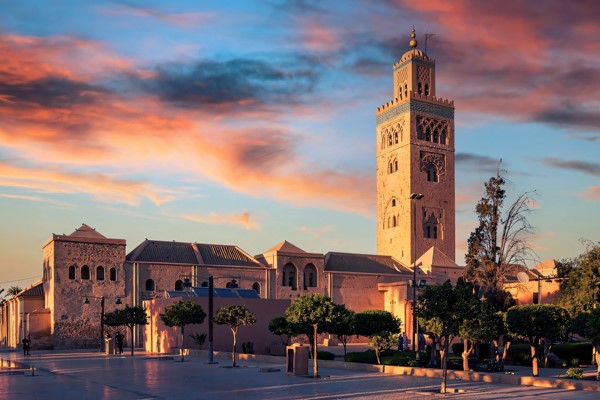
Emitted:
<point x="26" y="345"/>
<point x="405" y="341"/>
<point x="119" y="338"/>
<point x="422" y="342"/>
<point x="400" y="343"/>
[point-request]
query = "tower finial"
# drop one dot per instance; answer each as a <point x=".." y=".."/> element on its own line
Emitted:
<point x="413" y="40"/>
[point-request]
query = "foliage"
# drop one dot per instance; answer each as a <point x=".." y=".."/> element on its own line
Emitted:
<point x="234" y="316"/>
<point x="570" y="351"/>
<point x="199" y="339"/>
<point x="388" y="357"/>
<point x="450" y="306"/>
<point x="520" y="354"/>
<point x="280" y="326"/>
<point x="13" y="291"/>
<point x="129" y="317"/>
<point x="574" y="373"/>
<point x="181" y="314"/>
<point x="592" y="332"/>
<point x="342" y="325"/>
<point x="537" y="321"/>
<point x="580" y="288"/>
<point x="500" y="241"/>
<point x="380" y="326"/>
<point x="311" y="310"/>
<point x="325" y="355"/>
<point x="481" y="322"/>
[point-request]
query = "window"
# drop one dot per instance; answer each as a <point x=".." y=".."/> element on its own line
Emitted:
<point x="430" y="230"/>
<point x="310" y="276"/>
<point x="420" y="88"/>
<point x="432" y="174"/>
<point x="395" y="165"/>
<point x="405" y="90"/>
<point x="394" y="221"/>
<point x="426" y="90"/>
<point x="85" y="272"/>
<point x="290" y="276"/>
<point x="204" y="284"/>
<point x="393" y="202"/>
<point x="150" y="285"/>
<point x="100" y="273"/>
<point x="390" y="139"/>
<point x="256" y="287"/>
<point x="396" y="137"/>
<point x="179" y="285"/>
<point x="113" y="274"/>
<point x="72" y="272"/>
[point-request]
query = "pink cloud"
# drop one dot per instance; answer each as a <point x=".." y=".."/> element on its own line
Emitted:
<point x="245" y="219"/>
<point x="317" y="36"/>
<point x="592" y="193"/>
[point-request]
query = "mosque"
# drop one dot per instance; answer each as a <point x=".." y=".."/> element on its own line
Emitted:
<point x="414" y="137"/>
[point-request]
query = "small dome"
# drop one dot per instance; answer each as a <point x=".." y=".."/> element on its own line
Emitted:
<point x="414" y="53"/>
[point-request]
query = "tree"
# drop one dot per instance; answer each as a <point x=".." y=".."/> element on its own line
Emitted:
<point x="181" y="314"/>
<point x="343" y="325"/>
<point x="313" y="310"/>
<point x="483" y="323"/>
<point x="592" y="332"/>
<point x="234" y="316"/>
<point x="580" y="288"/>
<point x="379" y="326"/>
<point x="433" y="328"/>
<point x="448" y="306"/>
<point x="280" y="326"/>
<point x="537" y="321"/>
<point x="500" y="242"/>
<point x="129" y="317"/>
<point x="13" y="291"/>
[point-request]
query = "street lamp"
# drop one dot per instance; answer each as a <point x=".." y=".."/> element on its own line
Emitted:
<point x="87" y="301"/>
<point x="414" y="197"/>
<point x="547" y="279"/>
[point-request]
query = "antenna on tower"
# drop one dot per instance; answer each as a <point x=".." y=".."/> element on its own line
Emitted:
<point x="427" y="36"/>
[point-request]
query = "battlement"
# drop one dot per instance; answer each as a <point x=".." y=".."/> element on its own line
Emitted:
<point x="414" y="95"/>
<point x="414" y="55"/>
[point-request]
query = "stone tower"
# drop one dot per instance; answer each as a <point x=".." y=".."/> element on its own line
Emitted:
<point x="415" y="155"/>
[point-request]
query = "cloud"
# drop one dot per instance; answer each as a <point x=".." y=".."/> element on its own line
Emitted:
<point x="102" y="187"/>
<point x="316" y="233"/>
<point x="58" y="203"/>
<point x="591" y="193"/>
<point x="581" y="166"/>
<point x="245" y="219"/>
<point x="479" y="161"/>
<point x="181" y="20"/>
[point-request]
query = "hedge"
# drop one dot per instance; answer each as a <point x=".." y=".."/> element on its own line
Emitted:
<point x="325" y="355"/>
<point x="484" y="350"/>
<point x="402" y="358"/>
<point x="574" y="351"/>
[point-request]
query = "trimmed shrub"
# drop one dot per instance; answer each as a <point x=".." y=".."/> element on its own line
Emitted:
<point x="484" y="350"/>
<point x="571" y="351"/>
<point x="325" y="355"/>
<point x="389" y="357"/>
<point x="365" y="357"/>
<point x="520" y="354"/>
<point x="457" y="348"/>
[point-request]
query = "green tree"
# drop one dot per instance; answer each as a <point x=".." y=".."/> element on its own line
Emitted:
<point x="500" y="241"/>
<point x="129" y="317"/>
<point x="592" y="332"/>
<point x="281" y="327"/>
<point x="13" y="291"/>
<point x="433" y="328"/>
<point x="482" y="323"/>
<point x="181" y="314"/>
<point x="313" y="310"/>
<point x="379" y="326"/>
<point x="343" y="324"/>
<point x="234" y="316"/>
<point x="580" y="288"/>
<point x="537" y="321"/>
<point x="448" y="305"/>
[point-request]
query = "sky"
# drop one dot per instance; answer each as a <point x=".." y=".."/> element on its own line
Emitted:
<point x="253" y="122"/>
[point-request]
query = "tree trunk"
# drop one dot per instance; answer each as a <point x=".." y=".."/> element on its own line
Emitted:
<point x="444" y="364"/>
<point x="465" y="354"/>
<point x="505" y="353"/>
<point x="182" y="338"/>
<point x="432" y="358"/>
<point x="234" y="330"/>
<point x="534" y="361"/>
<point x="547" y="347"/>
<point x="315" y="363"/>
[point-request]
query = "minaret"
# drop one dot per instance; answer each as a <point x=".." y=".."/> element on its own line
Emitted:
<point x="415" y="154"/>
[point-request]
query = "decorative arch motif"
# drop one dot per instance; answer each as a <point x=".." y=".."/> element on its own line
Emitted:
<point x="310" y="276"/>
<point x="433" y="165"/>
<point x="290" y="276"/>
<point x="256" y="287"/>
<point x="432" y="130"/>
<point x="72" y="272"/>
<point x="432" y="226"/>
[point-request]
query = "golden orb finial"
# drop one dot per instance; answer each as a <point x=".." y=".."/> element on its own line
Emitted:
<point x="413" y="40"/>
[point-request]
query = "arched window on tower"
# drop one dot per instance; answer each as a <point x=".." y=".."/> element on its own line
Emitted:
<point x="405" y="90"/>
<point x="113" y="274"/>
<point x="390" y="168"/>
<point x="432" y="173"/>
<point x="72" y="272"/>
<point x="395" y="165"/>
<point x="431" y="227"/>
<point x="393" y="202"/>
<point x="85" y="272"/>
<point x="394" y="221"/>
<point x="426" y="90"/>
<point x="390" y="139"/>
<point x="290" y="275"/>
<point x="150" y="285"/>
<point x="396" y="137"/>
<point x="256" y="287"/>
<point x="419" y="88"/>
<point x="100" y="273"/>
<point x="310" y="276"/>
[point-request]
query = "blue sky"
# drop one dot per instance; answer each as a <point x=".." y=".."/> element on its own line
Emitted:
<point x="252" y="122"/>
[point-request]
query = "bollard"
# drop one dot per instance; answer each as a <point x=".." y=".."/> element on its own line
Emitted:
<point x="32" y="370"/>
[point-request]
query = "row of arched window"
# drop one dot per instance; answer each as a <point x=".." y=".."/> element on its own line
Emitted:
<point x="391" y="136"/>
<point x="431" y="226"/>
<point x="290" y="276"/>
<point x="432" y="130"/>
<point x="85" y="274"/>
<point x="393" y="166"/>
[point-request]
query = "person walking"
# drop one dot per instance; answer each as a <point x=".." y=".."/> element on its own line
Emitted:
<point x="26" y="345"/>
<point x="119" y="338"/>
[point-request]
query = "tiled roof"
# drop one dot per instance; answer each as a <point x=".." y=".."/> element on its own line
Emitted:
<point x="87" y="232"/>
<point x="164" y="252"/>
<point x="36" y="289"/>
<point x="219" y="254"/>
<point x="362" y="263"/>
<point x="286" y="247"/>
<point x="435" y="257"/>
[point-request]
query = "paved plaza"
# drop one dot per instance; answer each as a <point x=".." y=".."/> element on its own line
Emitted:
<point x="90" y="376"/>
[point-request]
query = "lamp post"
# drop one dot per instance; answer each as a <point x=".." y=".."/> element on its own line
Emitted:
<point x="547" y="279"/>
<point x="87" y="301"/>
<point x="414" y="197"/>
